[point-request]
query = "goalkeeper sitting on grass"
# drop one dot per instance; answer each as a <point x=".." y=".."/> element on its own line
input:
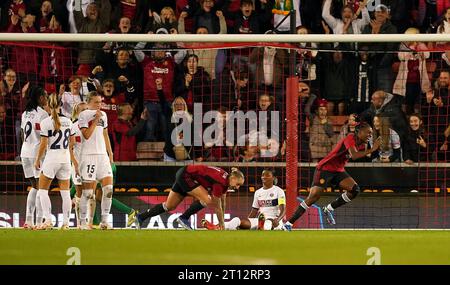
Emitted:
<point x="268" y="208"/>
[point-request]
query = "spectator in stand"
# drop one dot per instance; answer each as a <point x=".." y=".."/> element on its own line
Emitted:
<point x="306" y="100"/>
<point x="363" y="69"/>
<point x="44" y="18"/>
<point x="412" y="78"/>
<point x="124" y="28"/>
<point x="390" y="148"/>
<point x="7" y="139"/>
<point x="128" y="9"/>
<point x="212" y="60"/>
<point x="120" y="66"/>
<point x="400" y="13"/>
<point x="56" y="59"/>
<point x="208" y="16"/>
<point x="96" y="21"/>
<point x="271" y="70"/>
<point x="23" y="58"/>
<point x="444" y="26"/>
<point x="234" y="89"/>
<point x="436" y="111"/>
<point x="349" y="23"/>
<point x="336" y="80"/>
<point x="416" y="145"/>
<point x="197" y="83"/>
<point x="188" y="6"/>
<point x="175" y="138"/>
<point x="13" y="99"/>
<point x="247" y="153"/>
<point x="111" y="99"/>
<point x="349" y="126"/>
<point x="306" y="67"/>
<point x="321" y="133"/>
<point x="269" y="131"/>
<point x="159" y="72"/>
<point x="218" y="148"/>
<point x="442" y="63"/>
<point x="16" y="7"/>
<point x="387" y="105"/>
<point x="70" y="6"/>
<point x="72" y="97"/>
<point x="166" y="19"/>
<point x="135" y="10"/>
<point x="124" y="133"/>
<point x="444" y="147"/>
<point x="247" y="21"/>
<point x="383" y="60"/>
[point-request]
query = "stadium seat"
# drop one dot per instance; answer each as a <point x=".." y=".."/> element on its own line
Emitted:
<point x="150" y="151"/>
<point x="337" y="122"/>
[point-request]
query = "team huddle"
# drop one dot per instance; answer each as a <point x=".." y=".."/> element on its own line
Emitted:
<point x="56" y="147"/>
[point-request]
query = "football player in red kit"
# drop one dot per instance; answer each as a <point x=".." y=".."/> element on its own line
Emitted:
<point x="330" y="171"/>
<point x="208" y="184"/>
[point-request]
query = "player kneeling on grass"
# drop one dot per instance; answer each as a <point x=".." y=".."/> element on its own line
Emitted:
<point x="194" y="180"/>
<point x="57" y="138"/>
<point x="268" y="208"/>
<point x="330" y="171"/>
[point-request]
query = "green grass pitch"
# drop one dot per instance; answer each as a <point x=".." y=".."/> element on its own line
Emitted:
<point x="224" y="247"/>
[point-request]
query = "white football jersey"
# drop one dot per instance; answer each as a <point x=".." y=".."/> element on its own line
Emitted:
<point x="58" y="141"/>
<point x="78" y="140"/>
<point x="268" y="200"/>
<point x="96" y="143"/>
<point x="31" y="127"/>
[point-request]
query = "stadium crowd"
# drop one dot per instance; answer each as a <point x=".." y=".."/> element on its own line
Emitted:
<point x="402" y="90"/>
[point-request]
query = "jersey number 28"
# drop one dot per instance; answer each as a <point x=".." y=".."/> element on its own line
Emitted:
<point x="59" y="135"/>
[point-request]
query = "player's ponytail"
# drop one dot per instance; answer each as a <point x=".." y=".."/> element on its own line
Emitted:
<point x="54" y="107"/>
<point x="237" y="173"/>
<point x="76" y="110"/>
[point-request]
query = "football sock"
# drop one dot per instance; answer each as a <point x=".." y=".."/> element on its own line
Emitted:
<point x="233" y="224"/>
<point x="301" y="209"/>
<point x="66" y="205"/>
<point x="341" y="200"/>
<point x="121" y="206"/>
<point x="195" y="207"/>
<point x="106" y="202"/>
<point x="92" y="210"/>
<point x="39" y="211"/>
<point x="31" y="205"/>
<point x="77" y="209"/>
<point x="156" y="210"/>
<point x="268" y="225"/>
<point x="85" y="196"/>
<point x="46" y="204"/>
